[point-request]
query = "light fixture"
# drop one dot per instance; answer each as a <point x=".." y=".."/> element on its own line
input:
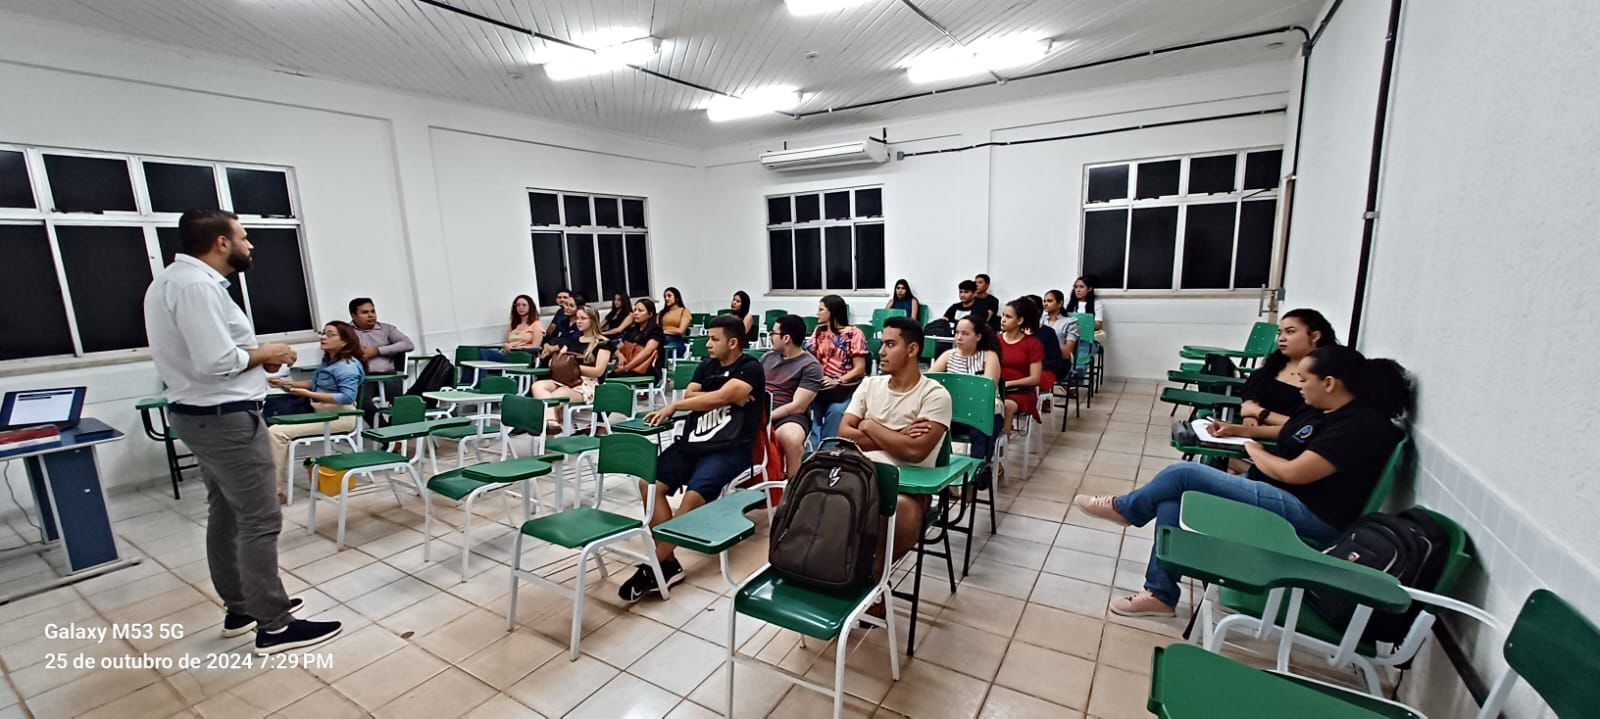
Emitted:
<point x="977" y="58"/>
<point x="801" y="8"/>
<point x="753" y="104"/>
<point x="611" y="50"/>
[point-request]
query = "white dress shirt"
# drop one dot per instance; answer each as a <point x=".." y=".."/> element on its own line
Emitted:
<point x="199" y="338"/>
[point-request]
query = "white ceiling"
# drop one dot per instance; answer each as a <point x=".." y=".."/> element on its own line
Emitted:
<point x="731" y="45"/>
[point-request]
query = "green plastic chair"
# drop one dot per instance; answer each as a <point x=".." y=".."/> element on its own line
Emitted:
<point x="1551" y="645"/>
<point x="609" y="398"/>
<point x="593" y="531"/>
<point x="476" y="432"/>
<point x="1263" y="339"/>
<point x="771" y="317"/>
<point x="874" y="353"/>
<point x="883" y="313"/>
<point x="465" y="353"/>
<point x="723" y="311"/>
<point x="768" y="598"/>
<point x="972" y="404"/>
<point x="520" y="357"/>
<point x="868" y="330"/>
<point x="811" y="323"/>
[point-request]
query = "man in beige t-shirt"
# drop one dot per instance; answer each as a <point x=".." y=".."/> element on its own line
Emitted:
<point x="900" y="417"/>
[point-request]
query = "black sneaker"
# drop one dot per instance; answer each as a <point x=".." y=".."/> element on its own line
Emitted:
<point x="235" y="624"/>
<point x="643" y="580"/>
<point x="299" y="634"/>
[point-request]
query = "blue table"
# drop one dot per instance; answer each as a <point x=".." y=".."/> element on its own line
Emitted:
<point x="65" y="479"/>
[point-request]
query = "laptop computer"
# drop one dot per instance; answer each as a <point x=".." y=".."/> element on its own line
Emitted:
<point x="30" y="408"/>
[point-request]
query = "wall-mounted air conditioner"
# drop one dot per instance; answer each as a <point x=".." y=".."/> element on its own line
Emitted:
<point x="864" y="152"/>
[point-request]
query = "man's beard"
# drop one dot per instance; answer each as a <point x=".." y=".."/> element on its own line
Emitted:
<point x="238" y="261"/>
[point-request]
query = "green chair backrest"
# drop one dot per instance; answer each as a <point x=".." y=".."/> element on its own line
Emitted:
<point x="1557" y="650"/>
<point x="869" y="330"/>
<point x="1263" y="339"/>
<point x="683" y="374"/>
<point x="922" y="314"/>
<point x="882" y="313"/>
<point x="1085" y="329"/>
<point x="888" y="487"/>
<point x="406" y="409"/>
<point x="930" y="349"/>
<point x="1399" y="464"/>
<point x="622" y="453"/>
<point x="699" y="319"/>
<point x="772" y="316"/>
<point x="495" y="384"/>
<point x="874" y="346"/>
<point x="721" y="312"/>
<point x="613" y="397"/>
<point x="972" y="399"/>
<point x="465" y="353"/>
<point x="1460" y="552"/>
<point x="520" y="357"/>
<point x="811" y="323"/>
<point x="697" y="346"/>
<point x="525" y="413"/>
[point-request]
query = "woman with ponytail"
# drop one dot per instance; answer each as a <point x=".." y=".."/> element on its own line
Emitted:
<point x="1318" y="476"/>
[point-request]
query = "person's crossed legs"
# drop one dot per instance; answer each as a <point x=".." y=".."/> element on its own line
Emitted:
<point x="702" y="478"/>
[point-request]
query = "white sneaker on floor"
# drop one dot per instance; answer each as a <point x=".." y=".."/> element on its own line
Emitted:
<point x="1143" y="604"/>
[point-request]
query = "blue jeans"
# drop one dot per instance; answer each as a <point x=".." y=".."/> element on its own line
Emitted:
<point x="487" y="355"/>
<point x="1159" y="500"/>
<point x="825" y="419"/>
<point x="675" y="345"/>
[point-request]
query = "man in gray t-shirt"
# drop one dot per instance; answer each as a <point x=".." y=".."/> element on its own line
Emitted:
<point x="793" y="379"/>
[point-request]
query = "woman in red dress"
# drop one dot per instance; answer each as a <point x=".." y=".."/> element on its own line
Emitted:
<point x="1021" y="359"/>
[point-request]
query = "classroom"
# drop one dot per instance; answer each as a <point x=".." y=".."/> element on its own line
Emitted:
<point x="797" y="358"/>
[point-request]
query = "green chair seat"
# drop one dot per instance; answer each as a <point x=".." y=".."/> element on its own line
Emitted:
<point x="713" y="527"/>
<point x="634" y="382"/>
<point x="305" y="418"/>
<point x="576" y="527"/>
<point x="1203" y="378"/>
<point x="1187" y="681"/>
<point x="384" y="377"/>
<point x="514" y="470"/>
<point x="576" y="444"/>
<point x="461" y="431"/>
<point x="930" y="480"/>
<point x="454" y="484"/>
<point x="1196" y="398"/>
<point x="774" y="600"/>
<point x="357" y="460"/>
<point x="1226" y="563"/>
<point x="411" y="430"/>
<point x="639" y="426"/>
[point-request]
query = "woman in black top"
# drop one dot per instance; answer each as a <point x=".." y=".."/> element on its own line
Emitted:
<point x="1317" y="477"/>
<point x="1272" y="394"/>
<point x="620" y="316"/>
<point x="640" y="347"/>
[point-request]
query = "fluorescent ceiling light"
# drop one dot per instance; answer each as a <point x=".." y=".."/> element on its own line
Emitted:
<point x="612" y="50"/>
<point x="977" y="58"/>
<point x="753" y="104"/>
<point x="801" y="8"/>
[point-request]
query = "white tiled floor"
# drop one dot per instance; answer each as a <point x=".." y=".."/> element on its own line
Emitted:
<point x="1027" y="634"/>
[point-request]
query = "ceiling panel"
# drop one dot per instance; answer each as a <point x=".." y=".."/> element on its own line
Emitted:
<point x="733" y="46"/>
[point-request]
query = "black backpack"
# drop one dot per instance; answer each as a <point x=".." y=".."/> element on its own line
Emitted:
<point x="1218" y="366"/>
<point x="435" y="375"/>
<point x="829" y="526"/>
<point x="1410" y="546"/>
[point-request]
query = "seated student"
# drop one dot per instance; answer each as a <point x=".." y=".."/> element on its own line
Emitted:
<point x="841" y="348"/>
<point x="524" y="332"/>
<point x="1021" y="359"/>
<point x="333" y="387"/>
<point x="589" y="353"/>
<point x="620" y="316"/>
<point x="1317" y="477"/>
<point x="902" y="299"/>
<point x="1272" y="393"/>
<point x="977" y="352"/>
<point x="967" y="291"/>
<point x="794" y="377"/>
<point x="988" y="302"/>
<point x="1055" y="364"/>
<point x="726" y="400"/>
<point x="741" y="309"/>
<point x="381" y="344"/>
<point x="562" y="332"/>
<point x="900" y="417"/>
<point x="639" y="350"/>
<point x="1084" y="301"/>
<point x="1066" y="329"/>
<point x="675" y="320"/>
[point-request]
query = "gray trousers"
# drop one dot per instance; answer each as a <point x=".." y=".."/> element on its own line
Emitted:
<point x="235" y="458"/>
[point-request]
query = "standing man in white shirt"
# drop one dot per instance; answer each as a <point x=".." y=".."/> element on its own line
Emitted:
<point x="206" y="352"/>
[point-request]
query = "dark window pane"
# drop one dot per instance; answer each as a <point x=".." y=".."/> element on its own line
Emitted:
<point x="28" y="279"/>
<point x="580" y="265"/>
<point x="168" y="238"/>
<point x="605" y="212"/>
<point x="808" y="259"/>
<point x="778" y="211"/>
<point x="175" y="188"/>
<point x="276" y="282"/>
<point x="544" y="208"/>
<point x="841" y="258"/>
<point x="549" y="269"/>
<point x="836" y="205"/>
<point x="638" y="266"/>
<point x="1212" y="174"/>
<point x="1152" y="242"/>
<point x="1105" y="245"/>
<point x="1208" y="246"/>
<point x="1262" y="169"/>
<point x="613" y="268"/>
<point x="1108" y="183"/>
<point x="869" y="257"/>
<point x="633" y="213"/>
<point x="16" y="190"/>
<point x="260" y="192"/>
<point x="1158" y="179"/>
<point x="89" y="184"/>
<point x="577" y="207"/>
<point x="107" y="272"/>
<point x="780" y="247"/>
<point x="869" y="203"/>
<point x="1255" y="243"/>
<point x="806" y="208"/>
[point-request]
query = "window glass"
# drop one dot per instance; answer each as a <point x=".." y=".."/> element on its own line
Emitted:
<point x="1105" y="244"/>
<point x="580" y="264"/>
<point x="107" y="272"/>
<point x="175" y="188"/>
<point x="1262" y="169"/>
<point x="869" y="202"/>
<point x="605" y="212"/>
<point x="836" y="205"/>
<point x="89" y="184"/>
<point x="549" y="267"/>
<point x="276" y="282"/>
<point x="1158" y="179"/>
<point x="806" y="208"/>
<point x="28" y="279"/>
<point x="1152" y="239"/>
<point x="633" y="213"/>
<point x="1212" y="174"/>
<point x="1208" y="246"/>
<point x="1108" y="183"/>
<point x="1254" y="260"/>
<point x="545" y="208"/>
<point x="780" y="245"/>
<point x="638" y="266"/>
<point x="808" y="258"/>
<point x="259" y="192"/>
<point x="16" y="190"/>
<point x="869" y="256"/>
<point x="841" y="258"/>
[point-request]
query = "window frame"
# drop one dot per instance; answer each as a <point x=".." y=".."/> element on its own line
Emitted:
<point x="1183" y="200"/>
<point x="821" y="224"/>
<point x="595" y="232"/>
<point x="147" y="221"/>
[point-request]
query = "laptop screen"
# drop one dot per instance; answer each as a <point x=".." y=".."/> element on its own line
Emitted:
<point x="29" y="408"/>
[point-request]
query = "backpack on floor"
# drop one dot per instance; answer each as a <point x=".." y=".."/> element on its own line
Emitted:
<point x="1409" y="546"/>
<point x="437" y="374"/>
<point x="827" y="530"/>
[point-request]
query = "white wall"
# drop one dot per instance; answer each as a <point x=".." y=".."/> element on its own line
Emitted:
<point x="1013" y="212"/>
<point x="1483" y="285"/>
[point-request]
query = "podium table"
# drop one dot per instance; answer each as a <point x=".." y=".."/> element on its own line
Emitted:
<point x="70" y="500"/>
